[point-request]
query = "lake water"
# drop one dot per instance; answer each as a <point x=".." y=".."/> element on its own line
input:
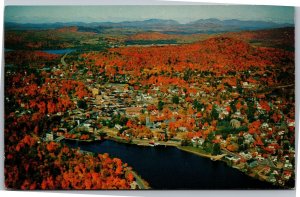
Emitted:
<point x="170" y="168"/>
<point x="59" y="51"/>
<point x="8" y="50"/>
<point x="51" y="51"/>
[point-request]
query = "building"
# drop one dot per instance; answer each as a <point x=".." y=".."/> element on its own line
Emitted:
<point x="118" y="127"/>
<point x="49" y="136"/>
<point x="149" y="123"/>
<point x="95" y="91"/>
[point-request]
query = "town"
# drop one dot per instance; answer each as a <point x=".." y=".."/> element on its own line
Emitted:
<point x="239" y="115"/>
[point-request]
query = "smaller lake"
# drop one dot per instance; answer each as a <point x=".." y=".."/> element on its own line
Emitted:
<point x="8" y="50"/>
<point x="59" y="51"/>
<point x="50" y="51"/>
<point x="171" y="168"/>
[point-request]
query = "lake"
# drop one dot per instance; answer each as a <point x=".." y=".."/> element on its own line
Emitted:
<point x="50" y="51"/>
<point x="171" y="168"/>
<point x="59" y="51"/>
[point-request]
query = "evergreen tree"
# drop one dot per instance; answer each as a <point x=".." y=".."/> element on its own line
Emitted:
<point x="214" y="113"/>
<point x="175" y="99"/>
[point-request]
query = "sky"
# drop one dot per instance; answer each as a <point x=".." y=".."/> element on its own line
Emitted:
<point x="180" y="13"/>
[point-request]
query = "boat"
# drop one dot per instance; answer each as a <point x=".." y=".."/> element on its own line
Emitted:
<point x="153" y="143"/>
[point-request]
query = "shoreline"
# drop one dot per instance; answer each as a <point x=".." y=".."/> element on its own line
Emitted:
<point x="204" y="155"/>
<point x="79" y="140"/>
<point x="145" y="143"/>
<point x="143" y="185"/>
<point x="212" y="157"/>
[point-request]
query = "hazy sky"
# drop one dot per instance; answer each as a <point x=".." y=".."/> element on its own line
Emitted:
<point x="183" y="14"/>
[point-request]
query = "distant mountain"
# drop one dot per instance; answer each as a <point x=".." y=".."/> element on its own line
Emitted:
<point x="238" y="24"/>
<point x="150" y="23"/>
<point x="205" y="21"/>
<point x="211" y="25"/>
<point x="29" y="26"/>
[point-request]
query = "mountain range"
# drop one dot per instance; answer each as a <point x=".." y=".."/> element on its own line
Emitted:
<point x="211" y="25"/>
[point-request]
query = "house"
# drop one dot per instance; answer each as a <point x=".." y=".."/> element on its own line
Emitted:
<point x="134" y="185"/>
<point x="245" y="84"/>
<point x="287" y="175"/>
<point x="247" y="156"/>
<point x="258" y="106"/>
<point x="264" y="125"/>
<point x="86" y="124"/>
<point x="235" y="123"/>
<point x="118" y="127"/>
<point x="291" y="123"/>
<point x="156" y="88"/>
<point x="49" y="136"/>
<point x="201" y="141"/>
<point x="95" y="91"/>
<point x="61" y="131"/>
<point x="223" y="113"/>
<point x="259" y="158"/>
<point x="183" y="129"/>
<point x="138" y="98"/>
<point x="253" y="164"/>
<point x="248" y="85"/>
<point x="237" y="115"/>
<point x="154" y="112"/>
<point x="281" y="132"/>
<point x="272" y="178"/>
<point x="146" y="97"/>
<point x="288" y="165"/>
<point x="233" y="160"/>
<point x="267" y="169"/>
<point x="197" y="141"/>
<point x="248" y="138"/>
<point x="149" y="123"/>
<point x="194" y="139"/>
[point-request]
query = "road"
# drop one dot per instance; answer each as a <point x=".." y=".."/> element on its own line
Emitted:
<point x="212" y="157"/>
<point x="62" y="60"/>
<point x="59" y="138"/>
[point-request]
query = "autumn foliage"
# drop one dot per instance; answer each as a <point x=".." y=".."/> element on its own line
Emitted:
<point x="32" y="163"/>
<point x="194" y="87"/>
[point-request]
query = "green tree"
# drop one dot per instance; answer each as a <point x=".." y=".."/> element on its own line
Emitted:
<point x="207" y="146"/>
<point x="187" y="74"/>
<point x="160" y="105"/>
<point x="197" y="105"/>
<point x="232" y="106"/>
<point x="216" y="149"/>
<point x="82" y="104"/>
<point x="239" y="87"/>
<point x="214" y="113"/>
<point x="250" y="111"/>
<point x="166" y="136"/>
<point x="175" y="99"/>
<point x="211" y="136"/>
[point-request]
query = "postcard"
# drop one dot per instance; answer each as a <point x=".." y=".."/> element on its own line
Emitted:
<point x="145" y="97"/>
